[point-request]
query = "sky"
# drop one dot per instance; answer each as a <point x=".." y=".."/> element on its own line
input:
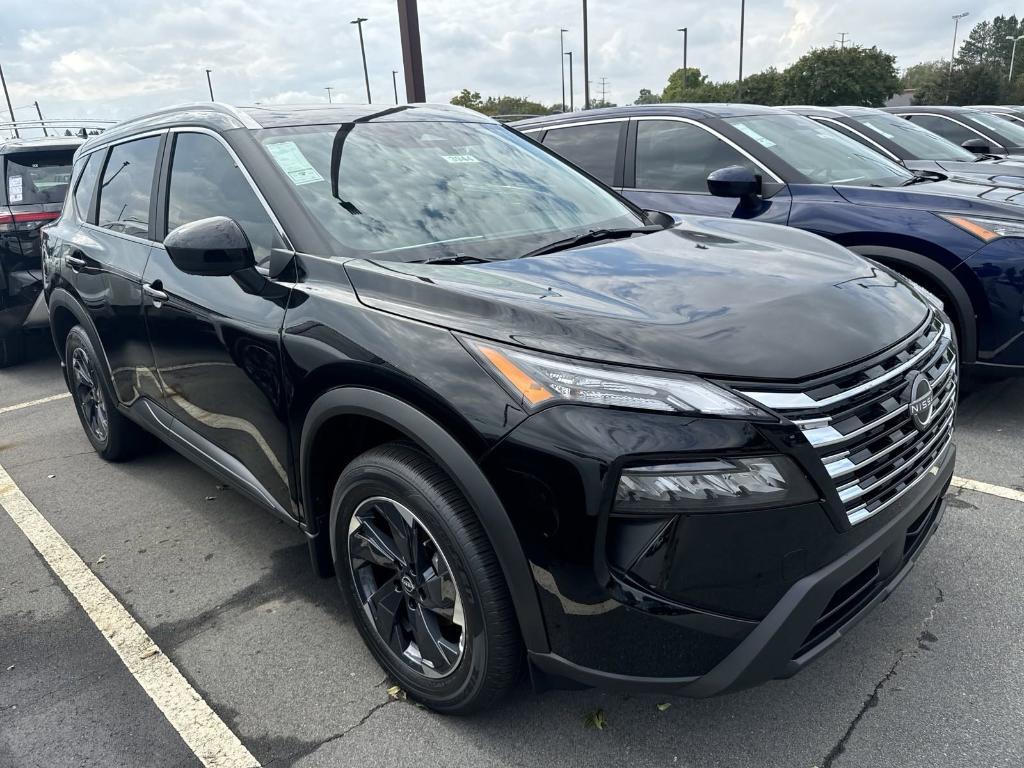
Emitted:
<point x="115" y="59"/>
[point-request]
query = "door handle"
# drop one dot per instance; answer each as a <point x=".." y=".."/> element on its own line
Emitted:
<point x="74" y="262"/>
<point x="154" y="293"/>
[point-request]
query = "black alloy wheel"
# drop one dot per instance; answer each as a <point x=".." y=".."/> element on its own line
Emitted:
<point x="424" y="585"/>
<point x="90" y="399"/>
<point x="406" y="586"/>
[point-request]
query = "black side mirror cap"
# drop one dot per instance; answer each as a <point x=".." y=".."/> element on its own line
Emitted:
<point x="659" y="219"/>
<point x="213" y="247"/>
<point x="977" y="146"/>
<point x="735" y="181"/>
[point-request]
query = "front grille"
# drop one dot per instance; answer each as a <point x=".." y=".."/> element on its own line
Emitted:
<point x="860" y="420"/>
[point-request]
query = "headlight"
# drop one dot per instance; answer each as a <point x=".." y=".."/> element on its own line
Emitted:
<point x="986" y="229"/>
<point x="538" y="380"/>
<point x="712" y="485"/>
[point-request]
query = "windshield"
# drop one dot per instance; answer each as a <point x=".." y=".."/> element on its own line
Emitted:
<point x="413" y="191"/>
<point x="36" y="178"/>
<point x="1007" y="133"/>
<point x="822" y="155"/>
<point x="918" y="142"/>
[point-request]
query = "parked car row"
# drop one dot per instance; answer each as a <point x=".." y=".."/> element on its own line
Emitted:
<point x="527" y="420"/>
<point x="883" y="186"/>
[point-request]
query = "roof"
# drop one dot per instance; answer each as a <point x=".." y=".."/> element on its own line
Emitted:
<point x="810" y="111"/>
<point x="38" y="143"/>
<point x="694" y="111"/>
<point x="222" y="117"/>
<point x="943" y="110"/>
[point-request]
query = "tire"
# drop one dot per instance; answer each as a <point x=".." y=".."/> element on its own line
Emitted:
<point x="12" y="349"/>
<point x="472" y="665"/>
<point x="114" y="437"/>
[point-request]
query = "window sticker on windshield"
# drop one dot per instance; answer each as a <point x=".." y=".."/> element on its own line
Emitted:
<point x="14" y="188"/>
<point x="294" y="163"/>
<point x="755" y="135"/>
<point x="460" y="158"/>
<point x="876" y="129"/>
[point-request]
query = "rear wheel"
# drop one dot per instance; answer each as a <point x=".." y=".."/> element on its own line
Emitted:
<point x="423" y="582"/>
<point x="12" y="349"/>
<point x="114" y="437"/>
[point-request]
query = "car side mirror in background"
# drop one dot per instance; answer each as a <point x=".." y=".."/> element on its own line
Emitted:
<point x="735" y="181"/>
<point x="211" y="247"/>
<point x="659" y="219"/>
<point x="977" y="146"/>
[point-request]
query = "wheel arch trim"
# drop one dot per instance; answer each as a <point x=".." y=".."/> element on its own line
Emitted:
<point x="464" y="472"/>
<point x="965" y="314"/>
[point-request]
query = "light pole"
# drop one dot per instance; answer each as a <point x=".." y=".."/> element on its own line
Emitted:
<point x="209" y="84"/>
<point x="9" y="107"/>
<point x="743" y="18"/>
<point x="412" y="54"/>
<point x="561" y="61"/>
<point x="586" y="61"/>
<point x="329" y="88"/>
<point x="362" y="48"/>
<point x="394" y="82"/>
<point x="952" y="55"/>
<point x="686" y="36"/>
<point x="1013" y="54"/>
<point x="572" y="107"/>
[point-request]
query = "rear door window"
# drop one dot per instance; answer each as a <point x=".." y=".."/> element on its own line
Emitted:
<point x="945" y="127"/>
<point x="678" y="157"/>
<point x="593" y="147"/>
<point x="38" y="178"/>
<point x="127" y="185"/>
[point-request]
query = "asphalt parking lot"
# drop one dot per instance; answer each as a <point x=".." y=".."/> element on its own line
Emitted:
<point x="934" y="677"/>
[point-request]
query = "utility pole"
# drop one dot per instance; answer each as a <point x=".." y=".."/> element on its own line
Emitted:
<point x="604" y="91"/>
<point x="743" y="17"/>
<point x="362" y="48"/>
<point x="329" y="88"/>
<point x="586" y="61"/>
<point x="561" y="61"/>
<point x="956" y="25"/>
<point x="686" y="35"/>
<point x="842" y="39"/>
<point x="43" y="125"/>
<point x="572" y="107"/>
<point x="394" y="82"/>
<point x="412" y="55"/>
<point x="209" y="84"/>
<point x="1013" y="55"/>
<point x="9" y="107"/>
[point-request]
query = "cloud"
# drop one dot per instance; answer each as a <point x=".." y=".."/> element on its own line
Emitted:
<point x="118" y="58"/>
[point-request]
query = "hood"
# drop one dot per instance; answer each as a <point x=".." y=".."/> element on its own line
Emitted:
<point x="999" y="173"/>
<point x="695" y="299"/>
<point x="950" y="196"/>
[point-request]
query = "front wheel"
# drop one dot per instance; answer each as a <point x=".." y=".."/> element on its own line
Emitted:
<point x="423" y="582"/>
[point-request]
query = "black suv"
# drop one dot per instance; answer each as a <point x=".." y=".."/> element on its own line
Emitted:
<point x="518" y="417"/>
<point x="35" y="175"/>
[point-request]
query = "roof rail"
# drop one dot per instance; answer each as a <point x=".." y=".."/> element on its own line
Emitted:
<point x="58" y="125"/>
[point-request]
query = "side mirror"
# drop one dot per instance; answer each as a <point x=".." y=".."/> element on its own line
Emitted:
<point x="214" y="247"/>
<point x="735" y="181"/>
<point x="977" y="146"/>
<point x="659" y="218"/>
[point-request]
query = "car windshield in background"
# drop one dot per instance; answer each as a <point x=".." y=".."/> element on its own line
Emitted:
<point x="413" y="191"/>
<point x="37" y="178"/>
<point x="819" y="153"/>
<point x="1004" y="130"/>
<point x="912" y="138"/>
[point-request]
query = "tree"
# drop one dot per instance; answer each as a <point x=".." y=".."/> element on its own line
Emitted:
<point x="926" y="74"/>
<point x="646" y="97"/>
<point x="601" y="103"/>
<point x="768" y="88"/>
<point x="697" y="88"/>
<point x="987" y="43"/>
<point x="501" y="105"/>
<point x="850" y="75"/>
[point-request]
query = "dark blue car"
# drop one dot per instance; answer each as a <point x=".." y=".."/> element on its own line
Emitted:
<point x="962" y="241"/>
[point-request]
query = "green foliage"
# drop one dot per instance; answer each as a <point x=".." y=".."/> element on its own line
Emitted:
<point x="834" y="76"/>
<point x="768" y="87"/>
<point x="501" y="105"/>
<point x="600" y="103"/>
<point x="647" y="97"/>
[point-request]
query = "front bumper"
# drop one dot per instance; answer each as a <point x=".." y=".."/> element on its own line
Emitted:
<point x="812" y="615"/>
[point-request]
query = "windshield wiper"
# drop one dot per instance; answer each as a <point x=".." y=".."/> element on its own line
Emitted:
<point x="592" y="236"/>
<point x="459" y="259"/>
<point x="920" y="177"/>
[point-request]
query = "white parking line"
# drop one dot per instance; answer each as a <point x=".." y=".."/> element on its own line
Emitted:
<point x="991" y="490"/>
<point x="198" y="725"/>
<point x="30" y="403"/>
